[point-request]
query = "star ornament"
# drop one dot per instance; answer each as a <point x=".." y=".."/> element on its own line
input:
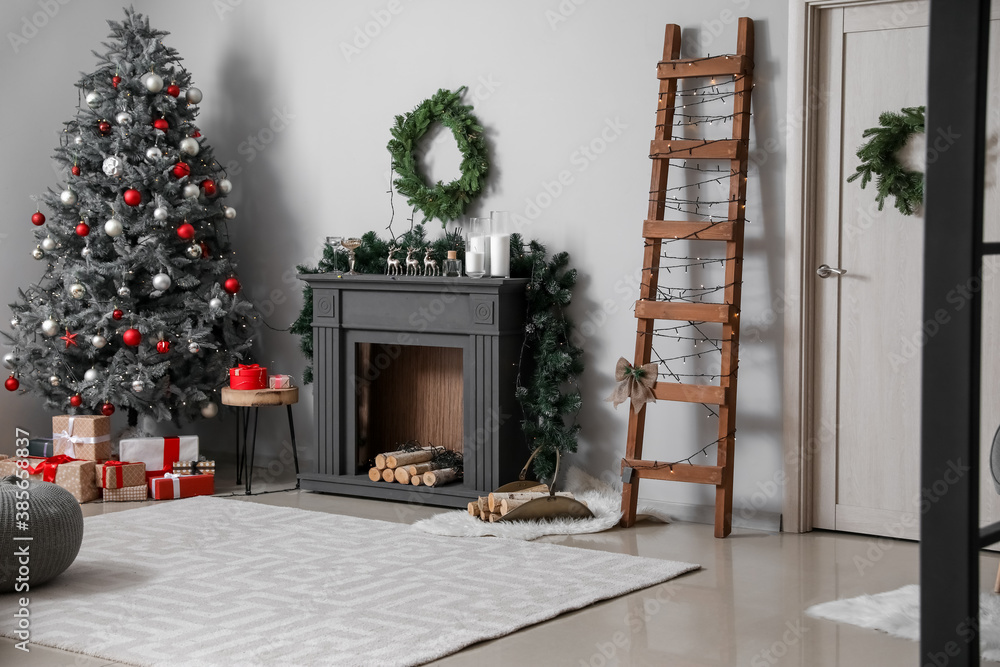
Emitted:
<point x="70" y="338"/>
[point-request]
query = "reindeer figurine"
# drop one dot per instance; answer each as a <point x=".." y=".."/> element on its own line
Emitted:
<point x="392" y="265"/>
<point x="430" y="265"/>
<point x="412" y="265"/>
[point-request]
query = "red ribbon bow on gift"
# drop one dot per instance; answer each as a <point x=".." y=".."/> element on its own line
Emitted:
<point x="48" y="467"/>
<point x="247" y="367"/>
<point x="117" y="467"/>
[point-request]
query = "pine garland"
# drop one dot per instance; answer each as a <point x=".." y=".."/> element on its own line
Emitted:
<point x="878" y="157"/>
<point x="550" y="362"/>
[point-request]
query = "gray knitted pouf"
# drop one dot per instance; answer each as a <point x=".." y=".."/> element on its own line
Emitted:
<point x="54" y="523"/>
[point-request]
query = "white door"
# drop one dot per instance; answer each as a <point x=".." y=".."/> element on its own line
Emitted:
<point x="869" y="326"/>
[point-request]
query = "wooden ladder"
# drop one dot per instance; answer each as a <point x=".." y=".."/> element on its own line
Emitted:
<point x="655" y="229"/>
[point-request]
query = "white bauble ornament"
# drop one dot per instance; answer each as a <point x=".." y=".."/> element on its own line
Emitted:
<point x="9" y="360"/>
<point x="50" y="327"/>
<point x="37" y="252"/>
<point x="77" y="291"/>
<point x="138" y="386"/>
<point x="153" y="153"/>
<point x="98" y="341"/>
<point x="48" y="243"/>
<point x="161" y="281"/>
<point x="209" y="410"/>
<point x="113" y="227"/>
<point x="160" y="213"/>
<point x="215" y="303"/>
<point x="67" y="197"/>
<point x="225" y="186"/>
<point x="230" y="213"/>
<point x="85" y="252"/>
<point x="191" y="191"/>
<point x="113" y="166"/>
<point x="193" y="348"/>
<point x="78" y="140"/>
<point x="154" y="82"/>
<point x="194" y="251"/>
<point x="193" y="95"/>
<point x="124" y="292"/>
<point x="93" y="99"/>
<point x="90" y="375"/>
<point x="54" y="380"/>
<point x="123" y="118"/>
<point x="15" y="322"/>
<point x="189" y="146"/>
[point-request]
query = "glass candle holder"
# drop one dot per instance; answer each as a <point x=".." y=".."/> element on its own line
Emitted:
<point x="477" y="247"/>
<point x="452" y="265"/>
<point x="500" y="244"/>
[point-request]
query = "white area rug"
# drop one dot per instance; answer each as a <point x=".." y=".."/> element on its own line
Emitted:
<point x="208" y="581"/>
<point x="898" y="614"/>
<point x="603" y="500"/>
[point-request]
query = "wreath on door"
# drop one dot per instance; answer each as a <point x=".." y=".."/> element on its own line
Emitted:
<point x="878" y="158"/>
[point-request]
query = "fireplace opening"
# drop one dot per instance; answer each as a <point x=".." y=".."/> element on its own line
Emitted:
<point x="404" y="393"/>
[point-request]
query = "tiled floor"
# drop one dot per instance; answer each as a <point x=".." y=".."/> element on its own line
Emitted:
<point x="745" y="607"/>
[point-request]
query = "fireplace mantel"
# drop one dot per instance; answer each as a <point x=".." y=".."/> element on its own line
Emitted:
<point x="482" y="318"/>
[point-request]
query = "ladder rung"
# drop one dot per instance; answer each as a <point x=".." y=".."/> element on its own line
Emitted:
<point x="701" y="231"/>
<point x="717" y="66"/>
<point x="689" y="393"/>
<point x="681" y="472"/>
<point x="717" y="149"/>
<point x="693" y="312"/>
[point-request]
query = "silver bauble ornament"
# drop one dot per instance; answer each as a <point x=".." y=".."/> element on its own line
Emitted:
<point x="138" y="386"/>
<point x="77" y="291"/>
<point x="124" y="292"/>
<point x="37" y="252"/>
<point x="85" y="252"/>
<point x="193" y="348"/>
<point x="154" y="82"/>
<point x="194" y="251"/>
<point x="161" y="281"/>
<point x="93" y="99"/>
<point x="153" y="153"/>
<point x="113" y="227"/>
<point x="98" y="341"/>
<point x="90" y="375"/>
<point x="67" y="197"/>
<point x="54" y="380"/>
<point x="15" y="322"/>
<point x="209" y="410"/>
<point x="230" y="213"/>
<point x="189" y="146"/>
<point x="191" y="191"/>
<point x="225" y="186"/>
<point x="215" y="303"/>
<point x="9" y="360"/>
<point x="48" y="243"/>
<point x="113" y="166"/>
<point x="78" y="140"/>
<point x="123" y="118"/>
<point x="193" y="95"/>
<point x="160" y="213"/>
<point x="50" y="327"/>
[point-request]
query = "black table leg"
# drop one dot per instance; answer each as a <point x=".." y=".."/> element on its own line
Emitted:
<point x="239" y="458"/>
<point x="295" y="450"/>
<point x="253" y="450"/>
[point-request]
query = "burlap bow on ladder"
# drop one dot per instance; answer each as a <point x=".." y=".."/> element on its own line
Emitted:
<point x="634" y="383"/>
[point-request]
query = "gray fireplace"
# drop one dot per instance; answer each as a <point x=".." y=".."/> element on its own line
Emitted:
<point x="432" y="359"/>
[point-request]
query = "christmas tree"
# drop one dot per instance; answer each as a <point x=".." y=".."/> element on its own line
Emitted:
<point x="139" y="306"/>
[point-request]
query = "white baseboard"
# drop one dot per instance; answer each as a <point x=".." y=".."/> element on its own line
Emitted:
<point x="760" y="520"/>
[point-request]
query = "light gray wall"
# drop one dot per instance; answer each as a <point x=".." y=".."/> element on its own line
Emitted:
<point x="546" y="78"/>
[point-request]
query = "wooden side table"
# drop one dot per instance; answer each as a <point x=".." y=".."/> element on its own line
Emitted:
<point x="246" y="399"/>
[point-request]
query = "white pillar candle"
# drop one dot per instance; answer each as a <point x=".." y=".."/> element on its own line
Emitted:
<point x="500" y="255"/>
<point x="481" y="244"/>
<point x="475" y="262"/>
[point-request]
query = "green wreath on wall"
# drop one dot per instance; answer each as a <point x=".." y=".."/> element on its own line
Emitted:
<point x="442" y="201"/>
<point x="878" y="158"/>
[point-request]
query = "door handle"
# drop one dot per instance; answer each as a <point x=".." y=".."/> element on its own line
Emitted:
<point x="825" y="271"/>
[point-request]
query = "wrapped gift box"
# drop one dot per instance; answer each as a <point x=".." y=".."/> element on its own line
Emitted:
<point x="248" y="376"/>
<point x="77" y="477"/>
<point x="41" y="447"/>
<point x="159" y="454"/>
<point x="126" y="494"/>
<point x="181" y="486"/>
<point x="117" y="475"/>
<point x="194" y="468"/>
<point x="279" y="382"/>
<point x="82" y="437"/>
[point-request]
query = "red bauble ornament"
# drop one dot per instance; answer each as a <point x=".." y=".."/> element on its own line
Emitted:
<point x="37" y="218"/>
<point x="163" y="346"/>
<point x="76" y="400"/>
<point x="208" y="185"/>
<point x="82" y="229"/>
<point x="173" y="90"/>
<point x="104" y="127"/>
<point x="196" y="133"/>
<point x="205" y="254"/>
<point x="115" y="80"/>
<point x="181" y="169"/>
<point x="186" y="231"/>
<point x="232" y="285"/>
<point x="11" y="384"/>
<point x="75" y="170"/>
<point x="107" y="409"/>
<point x="131" y="337"/>
<point x="161" y="124"/>
<point x="117" y="314"/>
<point x="132" y="197"/>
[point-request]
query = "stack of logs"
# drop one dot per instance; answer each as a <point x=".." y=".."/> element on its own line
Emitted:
<point x="411" y="467"/>
<point x="492" y="507"/>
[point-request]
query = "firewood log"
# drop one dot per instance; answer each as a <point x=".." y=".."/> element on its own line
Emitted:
<point x="421" y="468"/>
<point x="388" y="475"/>
<point x="402" y="475"/>
<point x="495" y="498"/>
<point x="416" y="480"/>
<point x="484" y="506"/>
<point x="375" y="475"/>
<point x="474" y="509"/>
<point x="397" y="459"/>
<point x="440" y="477"/>
<point x="494" y="518"/>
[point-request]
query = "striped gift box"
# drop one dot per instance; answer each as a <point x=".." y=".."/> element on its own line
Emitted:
<point x="126" y="494"/>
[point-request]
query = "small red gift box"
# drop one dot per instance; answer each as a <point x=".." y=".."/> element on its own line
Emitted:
<point x="248" y="376"/>
<point x="181" y="486"/>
